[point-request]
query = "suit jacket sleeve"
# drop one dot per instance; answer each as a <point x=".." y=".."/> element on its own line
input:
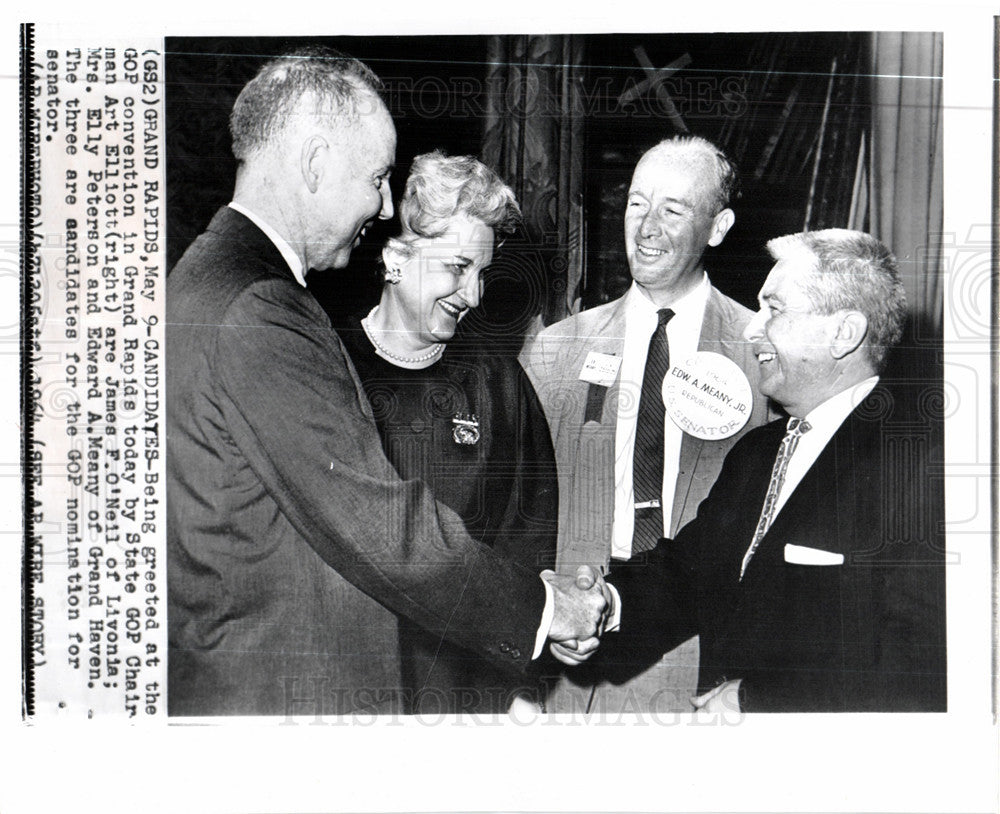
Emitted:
<point x="683" y="586"/>
<point x="658" y="609"/>
<point x="323" y="463"/>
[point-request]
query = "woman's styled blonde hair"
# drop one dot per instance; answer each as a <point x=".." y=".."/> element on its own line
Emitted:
<point x="442" y="187"/>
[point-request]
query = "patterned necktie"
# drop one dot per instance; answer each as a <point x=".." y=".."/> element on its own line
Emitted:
<point x="796" y="427"/>
<point x="647" y="460"/>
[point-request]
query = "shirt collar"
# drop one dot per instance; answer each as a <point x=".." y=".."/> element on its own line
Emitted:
<point x="833" y="411"/>
<point x="287" y="252"/>
<point x="695" y="299"/>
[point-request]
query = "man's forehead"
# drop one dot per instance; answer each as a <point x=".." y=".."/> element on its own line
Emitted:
<point x="787" y="274"/>
<point x="374" y="136"/>
<point x="381" y="123"/>
<point x="677" y="155"/>
<point x="668" y="164"/>
<point x="370" y="113"/>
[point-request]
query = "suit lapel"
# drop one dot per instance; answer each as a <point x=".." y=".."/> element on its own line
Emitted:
<point x="719" y="330"/>
<point x="824" y="504"/>
<point x="806" y="509"/>
<point x="607" y="337"/>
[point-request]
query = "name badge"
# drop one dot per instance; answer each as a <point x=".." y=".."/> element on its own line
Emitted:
<point x="708" y="396"/>
<point x="600" y="368"/>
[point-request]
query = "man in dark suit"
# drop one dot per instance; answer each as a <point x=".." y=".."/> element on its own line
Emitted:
<point x="678" y="205"/>
<point x="292" y="542"/>
<point x="814" y="570"/>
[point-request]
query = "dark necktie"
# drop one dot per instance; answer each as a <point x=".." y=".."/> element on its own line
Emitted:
<point x="647" y="461"/>
<point x="796" y="427"/>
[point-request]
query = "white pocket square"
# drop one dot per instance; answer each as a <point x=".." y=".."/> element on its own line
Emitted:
<point x="803" y="555"/>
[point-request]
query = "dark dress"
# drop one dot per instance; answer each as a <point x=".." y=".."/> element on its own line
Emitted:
<point x="496" y="471"/>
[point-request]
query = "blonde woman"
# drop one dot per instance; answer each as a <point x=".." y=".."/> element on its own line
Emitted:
<point x="450" y="412"/>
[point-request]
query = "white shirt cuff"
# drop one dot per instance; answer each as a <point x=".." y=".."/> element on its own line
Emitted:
<point x="615" y="619"/>
<point x="548" y="613"/>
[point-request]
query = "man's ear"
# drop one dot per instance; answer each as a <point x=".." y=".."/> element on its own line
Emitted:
<point x="314" y="152"/>
<point x="721" y="224"/>
<point x="851" y="332"/>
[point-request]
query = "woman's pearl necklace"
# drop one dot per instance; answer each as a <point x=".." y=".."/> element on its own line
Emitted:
<point x="437" y="350"/>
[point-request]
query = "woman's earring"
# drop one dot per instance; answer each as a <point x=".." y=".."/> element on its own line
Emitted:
<point x="393" y="276"/>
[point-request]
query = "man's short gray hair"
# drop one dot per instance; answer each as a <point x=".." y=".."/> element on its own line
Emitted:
<point x="852" y="271"/>
<point x="341" y="86"/>
<point x="727" y="178"/>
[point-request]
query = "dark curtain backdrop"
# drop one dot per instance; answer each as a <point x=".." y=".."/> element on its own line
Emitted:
<point x="533" y="135"/>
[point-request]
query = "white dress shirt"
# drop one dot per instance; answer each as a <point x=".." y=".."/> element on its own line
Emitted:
<point x="293" y="260"/>
<point x="683" y="333"/>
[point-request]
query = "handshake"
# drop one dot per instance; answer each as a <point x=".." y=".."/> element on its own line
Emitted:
<point x="583" y="606"/>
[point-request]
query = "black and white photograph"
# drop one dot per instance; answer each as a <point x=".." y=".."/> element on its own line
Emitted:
<point x="305" y="576"/>
<point x="611" y="399"/>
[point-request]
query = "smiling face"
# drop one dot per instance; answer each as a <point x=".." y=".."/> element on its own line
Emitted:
<point x="354" y="189"/>
<point x="670" y="218"/>
<point x="796" y="348"/>
<point x="441" y="280"/>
